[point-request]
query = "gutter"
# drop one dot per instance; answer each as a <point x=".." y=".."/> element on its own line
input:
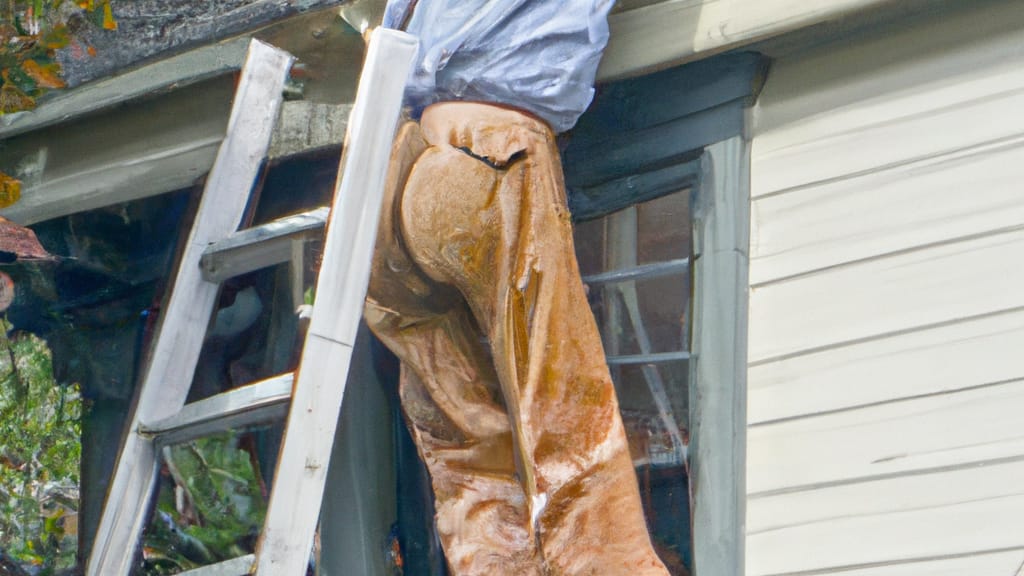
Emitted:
<point x="675" y="32"/>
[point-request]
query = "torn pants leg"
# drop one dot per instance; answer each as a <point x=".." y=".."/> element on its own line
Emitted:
<point x="520" y="429"/>
<point x="450" y="396"/>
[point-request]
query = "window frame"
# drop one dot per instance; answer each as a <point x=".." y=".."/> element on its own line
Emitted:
<point x="718" y="366"/>
<point x="718" y="300"/>
<point x="649" y="136"/>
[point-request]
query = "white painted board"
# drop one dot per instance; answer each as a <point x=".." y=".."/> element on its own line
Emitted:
<point x="887" y="295"/>
<point x="858" y="105"/>
<point x="340" y="292"/>
<point x="994" y="525"/>
<point x="937" y="360"/>
<point x="995" y="563"/>
<point x="960" y="527"/>
<point x="907" y="504"/>
<point x="949" y="430"/>
<point x="885" y="372"/>
<point x="927" y="201"/>
<point x="901" y="494"/>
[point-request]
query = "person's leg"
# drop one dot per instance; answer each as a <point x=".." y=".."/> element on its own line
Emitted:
<point x="484" y="210"/>
<point x="451" y="399"/>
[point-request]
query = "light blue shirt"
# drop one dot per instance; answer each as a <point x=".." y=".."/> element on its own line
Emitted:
<point x="538" y="55"/>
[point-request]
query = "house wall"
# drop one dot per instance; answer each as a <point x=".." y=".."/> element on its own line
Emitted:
<point x="886" y="373"/>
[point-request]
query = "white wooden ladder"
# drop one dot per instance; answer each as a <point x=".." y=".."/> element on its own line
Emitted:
<point x="312" y="396"/>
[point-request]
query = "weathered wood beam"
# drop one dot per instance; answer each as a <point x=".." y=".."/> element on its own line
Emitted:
<point x="170" y="74"/>
<point x="308" y="126"/>
<point x="156" y="128"/>
<point x="149" y="29"/>
<point x="137" y="153"/>
<point x="677" y="31"/>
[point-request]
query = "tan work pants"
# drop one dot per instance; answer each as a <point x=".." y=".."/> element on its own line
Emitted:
<point x="475" y="287"/>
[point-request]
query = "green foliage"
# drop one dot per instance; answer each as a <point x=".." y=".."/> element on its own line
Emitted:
<point x="31" y="32"/>
<point x="211" y="507"/>
<point x="29" y="39"/>
<point x="40" y="426"/>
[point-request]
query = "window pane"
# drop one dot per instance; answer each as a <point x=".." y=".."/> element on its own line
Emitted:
<point x="664" y="225"/>
<point x="211" y="500"/>
<point x="642" y="316"/>
<point x="589" y="240"/>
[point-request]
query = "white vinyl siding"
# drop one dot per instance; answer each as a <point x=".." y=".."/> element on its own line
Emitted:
<point x="886" y="330"/>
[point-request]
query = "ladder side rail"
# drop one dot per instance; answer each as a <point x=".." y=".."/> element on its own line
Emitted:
<point x="168" y="375"/>
<point x="341" y="289"/>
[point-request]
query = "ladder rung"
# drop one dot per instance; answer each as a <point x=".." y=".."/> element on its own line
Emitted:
<point x="263" y="401"/>
<point x="643" y="271"/>
<point x="260" y="246"/>
<point x="652" y="358"/>
<point x="235" y="567"/>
